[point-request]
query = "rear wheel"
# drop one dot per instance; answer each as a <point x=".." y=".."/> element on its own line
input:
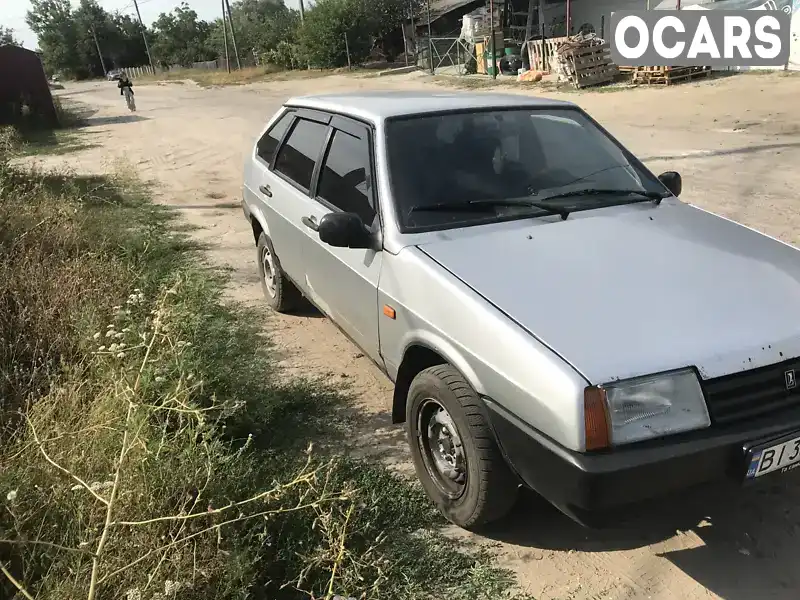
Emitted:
<point x="281" y="294"/>
<point x="455" y="455"/>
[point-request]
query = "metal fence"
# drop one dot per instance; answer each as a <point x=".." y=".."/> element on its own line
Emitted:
<point x="446" y="55"/>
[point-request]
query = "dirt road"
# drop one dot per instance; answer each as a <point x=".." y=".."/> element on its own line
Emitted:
<point x="737" y="143"/>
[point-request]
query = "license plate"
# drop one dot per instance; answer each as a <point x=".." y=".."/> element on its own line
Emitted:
<point x="782" y="456"/>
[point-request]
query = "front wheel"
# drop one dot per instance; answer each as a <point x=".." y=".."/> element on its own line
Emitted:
<point x="454" y="451"/>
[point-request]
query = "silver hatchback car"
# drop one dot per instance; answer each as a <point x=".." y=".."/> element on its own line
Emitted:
<point x="551" y="313"/>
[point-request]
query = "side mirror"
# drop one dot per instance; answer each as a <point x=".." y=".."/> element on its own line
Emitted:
<point x="672" y="181"/>
<point x="344" y="230"/>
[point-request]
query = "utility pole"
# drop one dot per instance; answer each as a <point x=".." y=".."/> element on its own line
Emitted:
<point x="144" y="37"/>
<point x="430" y="40"/>
<point x="225" y="39"/>
<point x="233" y="35"/>
<point x="491" y="42"/>
<point x="100" y="54"/>
<point x="302" y="12"/>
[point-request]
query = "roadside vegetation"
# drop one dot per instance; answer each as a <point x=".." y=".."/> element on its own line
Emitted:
<point x="149" y="448"/>
<point x="333" y="34"/>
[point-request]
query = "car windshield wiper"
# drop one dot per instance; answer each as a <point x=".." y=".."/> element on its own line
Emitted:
<point x="479" y="205"/>
<point x="608" y="192"/>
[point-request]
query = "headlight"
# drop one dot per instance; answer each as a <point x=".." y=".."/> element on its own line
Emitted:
<point x="655" y="406"/>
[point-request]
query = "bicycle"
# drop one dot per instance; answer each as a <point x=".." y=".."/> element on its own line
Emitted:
<point x="128" y="93"/>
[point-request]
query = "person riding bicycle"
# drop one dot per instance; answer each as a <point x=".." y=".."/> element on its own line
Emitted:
<point x="123" y="83"/>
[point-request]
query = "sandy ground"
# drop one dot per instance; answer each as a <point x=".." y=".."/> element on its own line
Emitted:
<point x="737" y="143"/>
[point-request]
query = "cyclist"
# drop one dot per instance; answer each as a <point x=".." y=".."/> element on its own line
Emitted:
<point x="123" y="83"/>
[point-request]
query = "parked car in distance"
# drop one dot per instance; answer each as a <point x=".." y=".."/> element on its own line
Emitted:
<point x="551" y="313"/>
<point x="114" y="74"/>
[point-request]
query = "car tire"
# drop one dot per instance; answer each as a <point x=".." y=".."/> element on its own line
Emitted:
<point x="281" y="294"/>
<point x="479" y="487"/>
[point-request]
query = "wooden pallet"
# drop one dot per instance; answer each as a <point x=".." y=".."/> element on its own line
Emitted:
<point x="540" y="54"/>
<point x="590" y="65"/>
<point x="669" y="75"/>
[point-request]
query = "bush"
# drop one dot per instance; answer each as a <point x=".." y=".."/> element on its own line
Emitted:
<point x="285" y="56"/>
<point x="322" y="35"/>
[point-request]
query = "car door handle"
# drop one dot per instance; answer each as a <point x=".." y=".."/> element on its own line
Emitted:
<point x="310" y="222"/>
<point x="264" y="189"/>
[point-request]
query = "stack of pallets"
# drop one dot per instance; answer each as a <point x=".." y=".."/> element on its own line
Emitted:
<point x="585" y="61"/>
<point x="667" y="75"/>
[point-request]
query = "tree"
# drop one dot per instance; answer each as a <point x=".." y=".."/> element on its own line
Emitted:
<point x="365" y="22"/>
<point x="7" y="36"/>
<point x="180" y="38"/>
<point x="260" y="25"/>
<point x="51" y="21"/>
<point x="68" y="44"/>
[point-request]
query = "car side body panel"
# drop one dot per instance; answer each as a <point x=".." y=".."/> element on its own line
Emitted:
<point x="497" y="357"/>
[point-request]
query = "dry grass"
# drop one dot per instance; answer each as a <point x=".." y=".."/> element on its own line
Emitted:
<point x="219" y="77"/>
<point x="148" y="448"/>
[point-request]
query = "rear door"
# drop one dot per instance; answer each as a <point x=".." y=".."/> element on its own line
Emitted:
<point x="283" y="172"/>
<point x="344" y="281"/>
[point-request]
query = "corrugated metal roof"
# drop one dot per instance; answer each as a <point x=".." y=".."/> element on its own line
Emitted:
<point x="442" y="7"/>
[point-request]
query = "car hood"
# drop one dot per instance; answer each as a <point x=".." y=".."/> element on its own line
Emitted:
<point x="637" y="289"/>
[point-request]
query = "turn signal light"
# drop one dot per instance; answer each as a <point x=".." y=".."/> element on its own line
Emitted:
<point x="595" y="418"/>
<point x="389" y="311"/>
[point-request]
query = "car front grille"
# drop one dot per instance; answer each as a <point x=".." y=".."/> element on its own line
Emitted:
<point x="754" y="393"/>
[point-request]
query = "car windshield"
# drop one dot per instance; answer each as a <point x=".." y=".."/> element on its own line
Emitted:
<point x="463" y="169"/>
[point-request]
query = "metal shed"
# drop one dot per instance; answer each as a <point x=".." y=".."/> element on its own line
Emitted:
<point x="23" y="83"/>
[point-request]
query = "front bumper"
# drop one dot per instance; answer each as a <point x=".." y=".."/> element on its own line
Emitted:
<point x="601" y="487"/>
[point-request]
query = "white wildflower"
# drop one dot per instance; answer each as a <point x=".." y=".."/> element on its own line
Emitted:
<point x="133" y="594"/>
<point x="109" y="333"/>
<point x="120" y="355"/>
<point x="116" y="308"/>
<point x="118" y="335"/>
<point x="113" y="347"/>
<point x="110" y="326"/>
<point x="76" y="487"/>
<point x="99" y="487"/>
<point x="96" y="336"/>
<point x="126" y="330"/>
<point x="172" y="587"/>
<point x="11" y="496"/>
<point x="159" y="379"/>
<point x="83" y="544"/>
<point x="190" y="376"/>
<point x="101" y="349"/>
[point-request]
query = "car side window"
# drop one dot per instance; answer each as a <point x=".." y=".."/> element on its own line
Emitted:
<point x="344" y="180"/>
<point x="297" y="157"/>
<point x="268" y="143"/>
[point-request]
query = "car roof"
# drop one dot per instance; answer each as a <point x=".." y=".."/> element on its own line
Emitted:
<point x="381" y="105"/>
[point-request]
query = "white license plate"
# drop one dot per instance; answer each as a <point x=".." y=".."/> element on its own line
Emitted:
<point x="784" y="456"/>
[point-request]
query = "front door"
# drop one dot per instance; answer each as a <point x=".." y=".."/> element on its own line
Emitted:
<point x="344" y="281"/>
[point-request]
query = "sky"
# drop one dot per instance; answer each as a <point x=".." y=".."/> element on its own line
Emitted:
<point x="12" y="13"/>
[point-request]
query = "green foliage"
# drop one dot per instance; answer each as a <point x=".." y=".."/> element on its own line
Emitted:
<point x="67" y="42"/>
<point x="260" y="26"/>
<point x="363" y="22"/>
<point x="180" y="38"/>
<point x="334" y="27"/>
<point x="7" y="36"/>
<point x="285" y="55"/>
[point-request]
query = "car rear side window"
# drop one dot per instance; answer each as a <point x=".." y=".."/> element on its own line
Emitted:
<point x="297" y="157"/>
<point x="268" y="143"/>
<point x="344" y="180"/>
